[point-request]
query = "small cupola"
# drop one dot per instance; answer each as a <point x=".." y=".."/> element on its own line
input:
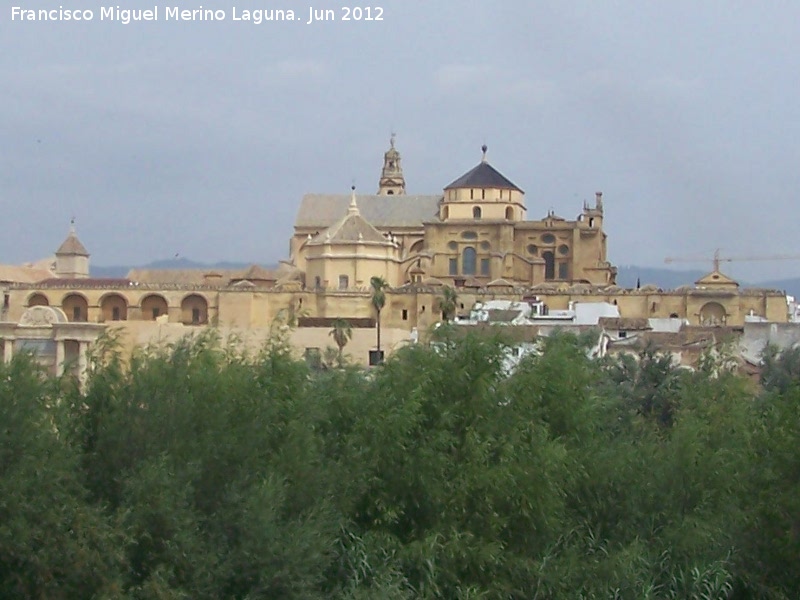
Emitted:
<point x="72" y="258"/>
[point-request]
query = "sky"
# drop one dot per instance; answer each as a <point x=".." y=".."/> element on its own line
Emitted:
<point x="199" y="138"/>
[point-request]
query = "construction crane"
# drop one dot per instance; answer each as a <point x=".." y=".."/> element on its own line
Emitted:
<point x="717" y="259"/>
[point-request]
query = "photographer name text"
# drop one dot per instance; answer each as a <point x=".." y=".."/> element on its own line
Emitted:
<point x="127" y="16"/>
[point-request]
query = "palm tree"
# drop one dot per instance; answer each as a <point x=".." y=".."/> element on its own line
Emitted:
<point x="378" y="300"/>
<point x="342" y="332"/>
<point x="448" y="302"/>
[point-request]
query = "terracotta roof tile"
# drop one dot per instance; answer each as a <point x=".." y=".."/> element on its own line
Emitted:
<point x="72" y="245"/>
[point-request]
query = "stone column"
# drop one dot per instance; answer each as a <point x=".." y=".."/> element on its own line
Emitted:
<point x="59" y="358"/>
<point x="8" y="349"/>
<point x="82" y="364"/>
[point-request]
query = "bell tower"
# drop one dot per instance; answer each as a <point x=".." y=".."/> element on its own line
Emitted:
<point x="72" y="259"/>
<point x="392" y="182"/>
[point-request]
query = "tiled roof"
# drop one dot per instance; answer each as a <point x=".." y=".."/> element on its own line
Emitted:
<point x="257" y="273"/>
<point x="15" y="274"/>
<point x="85" y="282"/>
<point x="626" y="323"/>
<point x="213" y="277"/>
<point x="181" y="276"/>
<point x="483" y="176"/>
<point x="72" y="245"/>
<point x="352" y="228"/>
<point x="384" y="212"/>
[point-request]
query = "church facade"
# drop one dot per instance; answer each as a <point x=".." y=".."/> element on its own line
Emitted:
<point x="473" y="236"/>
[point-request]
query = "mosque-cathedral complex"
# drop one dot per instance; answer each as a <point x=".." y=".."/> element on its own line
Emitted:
<point x="474" y="236"/>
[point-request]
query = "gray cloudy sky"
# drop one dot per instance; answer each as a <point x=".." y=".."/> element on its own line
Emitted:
<point x="201" y="138"/>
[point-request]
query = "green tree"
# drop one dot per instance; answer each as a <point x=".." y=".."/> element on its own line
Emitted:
<point x="342" y="333"/>
<point x="378" y="287"/>
<point x="54" y="543"/>
<point x="448" y="302"/>
<point x="780" y="369"/>
<point x="210" y="459"/>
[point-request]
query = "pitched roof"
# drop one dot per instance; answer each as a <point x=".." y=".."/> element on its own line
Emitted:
<point x="483" y="176"/>
<point x="180" y="276"/>
<point x="351" y="229"/>
<point x="716" y="279"/>
<point x="256" y="273"/>
<point x="320" y="211"/>
<point x="213" y="277"/>
<point x="72" y="245"/>
<point x="500" y="283"/>
<point x="15" y="274"/>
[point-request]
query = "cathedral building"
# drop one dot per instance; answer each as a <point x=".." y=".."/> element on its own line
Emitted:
<point x="473" y="236"/>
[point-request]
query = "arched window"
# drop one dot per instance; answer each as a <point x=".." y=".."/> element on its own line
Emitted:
<point x="509" y="213"/>
<point x="445" y="212"/>
<point x="549" y="265"/>
<point x="194" y="310"/>
<point x="468" y="261"/>
<point x="75" y="307"/>
<point x="38" y="300"/>
<point x="344" y="282"/>
<point x="114" y="308"/>
<point x="476" y="212"/>
<point x="154" y="306"/>
<point x="317" y="282"/>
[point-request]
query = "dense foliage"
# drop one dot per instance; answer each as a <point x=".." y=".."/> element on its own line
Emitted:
<point x="199" y="471"/>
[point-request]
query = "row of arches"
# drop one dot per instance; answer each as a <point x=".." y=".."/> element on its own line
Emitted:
<point x="114" y="307"/>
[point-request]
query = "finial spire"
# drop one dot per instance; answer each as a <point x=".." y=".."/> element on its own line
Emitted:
<point x="72" y="225"/>
<point x="391" y="139"/>
<point x="484" y="148"/>
<point x="353" y="209"/>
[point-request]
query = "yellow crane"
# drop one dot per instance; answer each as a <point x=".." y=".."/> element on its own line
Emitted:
<point x="717" y="259"/>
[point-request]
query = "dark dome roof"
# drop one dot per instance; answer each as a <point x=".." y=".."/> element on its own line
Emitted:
<point x="483" y="176"/>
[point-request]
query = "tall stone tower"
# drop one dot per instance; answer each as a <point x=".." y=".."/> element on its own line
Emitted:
<point x="72" y="259"/>
<point x="392" y="182"/>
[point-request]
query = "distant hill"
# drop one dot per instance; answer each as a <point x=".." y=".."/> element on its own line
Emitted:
<point x="627" y="276"/>
<point x="668" y="279"/>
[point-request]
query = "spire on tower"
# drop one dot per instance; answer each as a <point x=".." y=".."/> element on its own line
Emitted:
<point x="353" y="208"/>
<point x="392" y="182"/>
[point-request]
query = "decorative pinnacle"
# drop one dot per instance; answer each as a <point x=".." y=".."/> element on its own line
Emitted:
<point x="353" y="209"/>
<point x="391" y="139"/>
<point x="484" y="148"/>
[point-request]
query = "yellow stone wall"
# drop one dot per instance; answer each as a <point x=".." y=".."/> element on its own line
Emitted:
<point x="358" y="262"/>
<point x="252" y="313"/>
